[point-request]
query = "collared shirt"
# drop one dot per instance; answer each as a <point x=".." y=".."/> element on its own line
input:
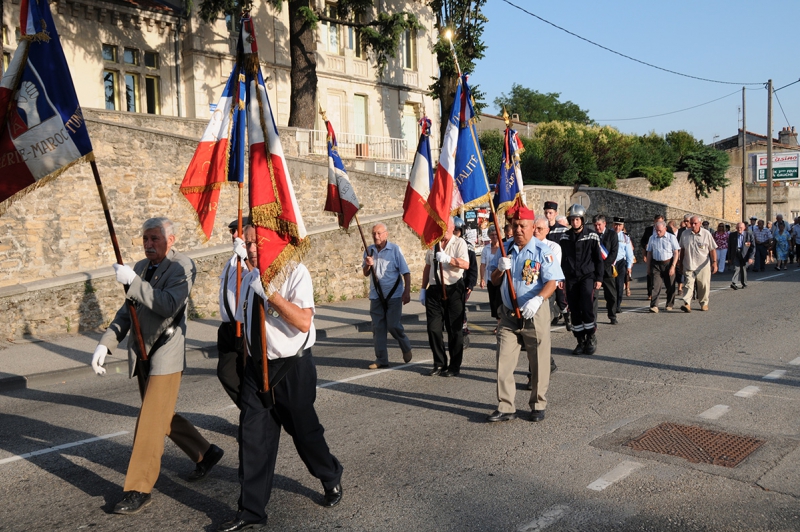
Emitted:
<point x="795" y="232"/>
<point x="389" y="266"/>
<point x="625" y="249"/>
<point x="283" y="340"/>
<point x="491" y="263"/>
<point x="230" y="272"/>
<point x="456" y="248"/>
<point x="531" y="268"/>
<point x="697" y="248"/>
<point x="762" y="235"/>
<point x="663" y="247"/>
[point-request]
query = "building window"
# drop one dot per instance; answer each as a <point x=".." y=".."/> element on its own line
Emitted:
<point x="330" y="32"/>
<point x="131" y="57"/>
<point x="151" y="60"/>
<point x="153" y="94"/>
<point x="110" y="53"/>
<point x="408" y="49"/>
<point x="354" y="39"/>
<point x="111" y="89"/>
<point x="132" y="100"/>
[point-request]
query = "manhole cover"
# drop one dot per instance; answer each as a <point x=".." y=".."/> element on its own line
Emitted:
<point x="696" y="444"/>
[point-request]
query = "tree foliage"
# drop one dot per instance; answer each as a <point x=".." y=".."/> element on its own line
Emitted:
<point x="566" y="153"/>
<point x="537" y="107"/>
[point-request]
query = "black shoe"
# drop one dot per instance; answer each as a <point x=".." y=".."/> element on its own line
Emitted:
<point x="613" y="321"/>
<point x="132" y="503"/>
<point x="501" y="416"/>
<point x="733" y="285"/>
<point x="435" y="372"/>
<point x="332" y="496"/>
<point x="567" y="323"/>
<point x="744" y="285"/>
<point x="554" y="321"/>
<point x="239" y="524"/>
<point x="553" y="366"/>
<point x="449" y="373"/>
<point x="579" y="349"/>
<point x="537" y="416"/>
<point x="210" y="459"/>
<point x="591" y="345"/>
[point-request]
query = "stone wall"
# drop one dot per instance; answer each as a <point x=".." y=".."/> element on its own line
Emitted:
<point x="724" y="203"/>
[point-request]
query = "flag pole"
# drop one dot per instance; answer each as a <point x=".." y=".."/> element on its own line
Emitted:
<point x="264" y="360"/>
<point x="509" y="279"/>
<point x="136" y="328"/>
<point x="238" y="261"/>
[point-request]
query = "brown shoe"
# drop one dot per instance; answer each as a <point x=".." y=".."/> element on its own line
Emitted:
<point x="667" y="308"/>
<point x="704" y="308"/>
<point x="407" y="356"/>
<point x="686" y="308"/>
<point x="375" y="365"/>
<point x="654" y="310"/>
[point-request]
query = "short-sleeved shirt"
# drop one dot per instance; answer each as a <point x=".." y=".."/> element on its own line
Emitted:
<point x="456" y="248"/>
<point x="625" y="249"/>
<point x="229" y="271"/>
<point x="762" y="235"/>
<point x="721" y="239"/>
<point x="697" y="247"/>
<point x="283" y="340"/>
<point x="389" y="266"/>
<point x="486" y="253"/>
<point x="796" y="233"/>
<point x="663" y="247"/>
<point x="531" y="268"/>
<point x="491" y="264"/>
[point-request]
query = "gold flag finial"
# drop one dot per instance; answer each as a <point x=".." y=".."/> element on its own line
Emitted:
<point x="506" y="118"/>
<point x="323" y="114"/>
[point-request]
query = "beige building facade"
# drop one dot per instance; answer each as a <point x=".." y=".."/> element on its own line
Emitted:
<point x="143" y="56"/>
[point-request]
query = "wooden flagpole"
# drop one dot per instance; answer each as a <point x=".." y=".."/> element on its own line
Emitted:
<point x="136" y="328"/>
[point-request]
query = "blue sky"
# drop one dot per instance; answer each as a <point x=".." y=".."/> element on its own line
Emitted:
<point x="729" y="40"/>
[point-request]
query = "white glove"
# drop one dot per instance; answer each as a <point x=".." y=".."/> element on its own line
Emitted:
<point x="99" y="358"/>
<point x="422" y="297"/>
<point x="258" y="288"/>
<point x="504" y="264"/>
<point x="239" y="248"/>
<point x="530" y="308"/>
<point x="125" y="274"/>
<point x="443" y="257"/>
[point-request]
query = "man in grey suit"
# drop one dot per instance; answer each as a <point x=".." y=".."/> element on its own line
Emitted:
<point x="741" y="250"/>
<point x="159" y="287"/>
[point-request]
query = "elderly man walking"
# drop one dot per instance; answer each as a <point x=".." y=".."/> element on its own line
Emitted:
<point x="535" y="273"/>
<point x="663" y="253"/>
<point x="159" y="287"/>
<point x="742" y="248"/>
<point x="699" y="258"/>
<point x="384" y="262"/>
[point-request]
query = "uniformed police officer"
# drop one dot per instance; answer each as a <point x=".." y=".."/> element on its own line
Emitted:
<point x="583" y="269"/>
<point x="289" y="327"/>
<point x="535" y="273"/>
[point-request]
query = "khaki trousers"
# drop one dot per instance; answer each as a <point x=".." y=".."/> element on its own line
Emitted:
<point x="702" y="278"/>
<point x="536" y="337"/>
<point x="157" y="419"/>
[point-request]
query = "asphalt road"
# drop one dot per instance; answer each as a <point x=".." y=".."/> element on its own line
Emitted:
<point x="418" y="454"/>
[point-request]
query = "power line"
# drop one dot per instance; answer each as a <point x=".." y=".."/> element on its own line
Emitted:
<point x="781" y="106"/>
<point x="626" y="56"/>
<point x="669" y="113"/>
<point x="787" y="85"/>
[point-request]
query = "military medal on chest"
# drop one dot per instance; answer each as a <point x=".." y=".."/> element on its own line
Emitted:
<point x="530" y="271"/>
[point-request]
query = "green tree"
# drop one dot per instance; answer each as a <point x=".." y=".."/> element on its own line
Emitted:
<point x="537" y="107"/>
<point x="466" y="23"/>
<point x="379" y="36"/>
<point x="706" y="167"/>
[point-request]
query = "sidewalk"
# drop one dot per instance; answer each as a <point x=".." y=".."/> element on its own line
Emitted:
<point x="48" y="360"/>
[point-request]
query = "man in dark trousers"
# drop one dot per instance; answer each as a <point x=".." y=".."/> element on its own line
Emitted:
<point x="583" y="268"/>
<point x="648" y="232"/>
<point x="610" y="243"/>
<point x="554" y="235"/>
<point x="742" y="249"/>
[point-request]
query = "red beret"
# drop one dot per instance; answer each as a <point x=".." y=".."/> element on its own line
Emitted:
<point x="520" y="212"/>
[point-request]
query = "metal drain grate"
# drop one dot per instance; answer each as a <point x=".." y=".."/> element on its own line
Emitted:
<point x="696" y="444"/>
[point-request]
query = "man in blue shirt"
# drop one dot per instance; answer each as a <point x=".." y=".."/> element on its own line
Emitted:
<point x="535" y="273"/>
<point x="385" y="261"/>
<point x="624" y="260"/>
<point x="663" y="252"/>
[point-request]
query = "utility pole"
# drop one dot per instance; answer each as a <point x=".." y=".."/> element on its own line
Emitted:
<point x="744" y="160"/>
<point x="769" y="153"/>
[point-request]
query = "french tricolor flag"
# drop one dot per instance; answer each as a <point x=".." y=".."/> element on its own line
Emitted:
<point x="416" y="212"/>
<point x="341" y="198"/>
<point x="208" y="169"/>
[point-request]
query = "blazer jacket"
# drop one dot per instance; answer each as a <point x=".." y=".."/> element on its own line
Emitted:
<point x="610" y="241"/>
<point x="748" y="252"/>
<point x="157" y="304"/>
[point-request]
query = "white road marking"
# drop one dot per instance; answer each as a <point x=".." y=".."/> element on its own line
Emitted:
<point x="774" y="375"/>
<point x="550" y="516"/>
<point x="715" y="412"/>
<point x="795" y="362"/>
<point x="60" y="447"/>
<point x="747" y="391"/>
<point x="618" y="473"/>
<point x="771" y="276"/>
<point x="373" y="372"/>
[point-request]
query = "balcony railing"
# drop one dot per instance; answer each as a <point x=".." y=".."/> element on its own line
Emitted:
<point x="353" y="146"/>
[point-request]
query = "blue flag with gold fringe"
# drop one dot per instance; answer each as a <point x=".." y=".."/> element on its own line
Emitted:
<point x="469" y="175"/>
